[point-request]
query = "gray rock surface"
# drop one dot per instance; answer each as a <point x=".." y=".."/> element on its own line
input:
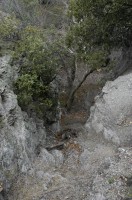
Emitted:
<point x="1" y="198"/>
<point x="102" y="177"/>
<point x="59" y="157"/>
<point x="84" y="158"/>
<point x="123" y="59"/>
<point x="19" y="134"/>
<point x="47" y="158"/>
<point x="112" y="113"/>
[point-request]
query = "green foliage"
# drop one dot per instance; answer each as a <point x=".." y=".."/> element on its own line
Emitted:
<point x="111" y="180"/>
<point x="38" y="67"/>
<point x="8" y="32"/>
<point x="99" y="25"/>
<point x="33" y="94"/>
<point x="8" y="26"/>
<point x="98" y="22"/>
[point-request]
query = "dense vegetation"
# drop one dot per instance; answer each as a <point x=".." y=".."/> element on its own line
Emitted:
<point x="34" y="49"/>
<point x="97" y="27"/>
<point x="42" y="44"/>
<point x="37" y="70"/>
<point x="100" y="23"/>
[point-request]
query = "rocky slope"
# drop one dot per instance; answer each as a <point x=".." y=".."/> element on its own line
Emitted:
<point x="19" y="134"/>
<point x="88" y="167"/>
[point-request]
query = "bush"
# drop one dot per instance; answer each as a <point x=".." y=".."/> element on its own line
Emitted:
<point x="8" y="25"/>
<point x="33" y="94"/>
<point x="8" y="32"/>
<point x="37" y="71"/>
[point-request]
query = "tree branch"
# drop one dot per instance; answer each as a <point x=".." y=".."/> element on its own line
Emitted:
<point x="71" y="97"/>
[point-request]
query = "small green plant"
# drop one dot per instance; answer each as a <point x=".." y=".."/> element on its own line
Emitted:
<point x="111" y="180"/>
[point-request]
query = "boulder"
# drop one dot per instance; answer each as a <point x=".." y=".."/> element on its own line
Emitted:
<point x="111" y="114"/>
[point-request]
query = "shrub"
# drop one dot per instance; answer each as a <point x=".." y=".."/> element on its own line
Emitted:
<point x="38" y="67"/>
<point x="8" y="25"/>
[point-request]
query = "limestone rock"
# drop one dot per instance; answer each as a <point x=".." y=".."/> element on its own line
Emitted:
<point x="47" y="158"/>
<point x="59" y="157"/>
<point x="100" y="197"/>
<point x="84" y="158"/>
<point x="19" y="134"/>
<point x="112" y="113"/>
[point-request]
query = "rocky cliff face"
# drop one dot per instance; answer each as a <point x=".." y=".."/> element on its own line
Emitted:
<point x="19" y="134"/>
<point x="112" y="113"/>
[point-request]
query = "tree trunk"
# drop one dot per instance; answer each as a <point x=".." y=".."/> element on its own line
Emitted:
<point x="72" y="94"/>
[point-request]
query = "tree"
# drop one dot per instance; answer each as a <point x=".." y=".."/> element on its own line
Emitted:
<point x="38" y="64"/>
<point x="97" y="23"/>
<point x="97" y="26"/>
<point x="38" y="54"/>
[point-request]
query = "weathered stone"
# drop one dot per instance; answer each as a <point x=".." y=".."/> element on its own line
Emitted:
<point x="99" y="197"/>
<point x="59" y="157"/>
<point x="112" y="114"/>
<point x="19" y="134"/>
<point x="84" y="158"/>
<point x="47" y="158"/>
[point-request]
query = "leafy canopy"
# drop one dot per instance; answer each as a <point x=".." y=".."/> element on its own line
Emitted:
<point x="99" y="25"/>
